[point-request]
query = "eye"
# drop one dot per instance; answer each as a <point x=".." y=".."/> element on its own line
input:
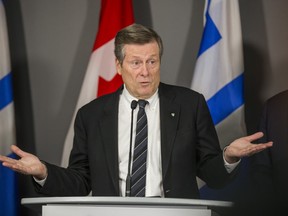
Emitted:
<point x="152" y="62"/>
<point x="135" y="64"/>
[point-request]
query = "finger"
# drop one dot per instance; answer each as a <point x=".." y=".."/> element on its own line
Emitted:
<point x="268" y="144"/>
<point x="263" y="145"/>
<point x="3" y="158"/>
<point x="14" y="165"/>
<point x="9" y="162"/>
<point x="258" y="148"/>
<point x="6" y="159"/>
<point x="254" y="136"/>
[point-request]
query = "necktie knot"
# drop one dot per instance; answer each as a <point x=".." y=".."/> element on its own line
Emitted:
<point x="142" y="103"/>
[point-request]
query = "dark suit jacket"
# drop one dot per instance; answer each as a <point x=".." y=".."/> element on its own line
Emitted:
<point x="189" y="148"/>
<point x="270" y="167"/>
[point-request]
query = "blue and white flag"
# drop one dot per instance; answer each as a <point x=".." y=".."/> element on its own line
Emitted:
<point x="8" y="182"/>
<point x="219" y="68"/>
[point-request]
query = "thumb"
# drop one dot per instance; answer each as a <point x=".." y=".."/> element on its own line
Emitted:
<point x="18" y="151"/>
<point x="254" y="136"/>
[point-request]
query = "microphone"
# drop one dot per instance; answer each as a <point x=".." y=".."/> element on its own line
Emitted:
<point x="128" y="179"/>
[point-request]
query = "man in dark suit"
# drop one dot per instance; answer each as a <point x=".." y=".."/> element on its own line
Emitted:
<point x="269" y="169"/>
<point x="182" y="141"/>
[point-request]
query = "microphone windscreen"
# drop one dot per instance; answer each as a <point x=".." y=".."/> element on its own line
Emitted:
<point x="133" y="104"/>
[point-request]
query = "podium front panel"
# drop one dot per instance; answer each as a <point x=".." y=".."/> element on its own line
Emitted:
<point x="107" y="210"/>
<point x="92" y="206"/>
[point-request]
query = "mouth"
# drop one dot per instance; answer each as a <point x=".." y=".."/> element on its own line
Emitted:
<point x="145" y="84"/>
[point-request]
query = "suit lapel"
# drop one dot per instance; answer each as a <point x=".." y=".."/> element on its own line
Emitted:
<point x="169" y="115"/>
<point x="109" y="133"/>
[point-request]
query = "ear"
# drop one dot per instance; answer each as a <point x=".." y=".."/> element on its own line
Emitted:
<point x="118" y="67"/>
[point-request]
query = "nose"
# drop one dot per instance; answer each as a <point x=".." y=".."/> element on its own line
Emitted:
<point x="145" y="70"/>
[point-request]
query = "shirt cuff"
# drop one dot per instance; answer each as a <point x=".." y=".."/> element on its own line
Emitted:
<point x="40" y="182"/>
<point x="230" y="166"/>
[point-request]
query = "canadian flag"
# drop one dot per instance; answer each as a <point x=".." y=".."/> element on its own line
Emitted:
<point x="101" y="76"/>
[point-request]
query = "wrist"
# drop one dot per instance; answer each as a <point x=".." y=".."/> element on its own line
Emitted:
<point x="43" y="174"/>
<point x="228" y="158"/>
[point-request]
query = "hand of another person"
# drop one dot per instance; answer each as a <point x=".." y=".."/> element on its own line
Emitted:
<point x="28" y="164"/>
<point x="243" y="147"/>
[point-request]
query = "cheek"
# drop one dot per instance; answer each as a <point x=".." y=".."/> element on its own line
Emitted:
<point x="156" y="74"/>
<point x="128" y="77"/>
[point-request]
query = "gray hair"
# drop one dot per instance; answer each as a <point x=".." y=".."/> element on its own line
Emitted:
<point x="135" y="34"/>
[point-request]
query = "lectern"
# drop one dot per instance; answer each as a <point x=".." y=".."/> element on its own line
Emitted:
<point x="123" y="206"/>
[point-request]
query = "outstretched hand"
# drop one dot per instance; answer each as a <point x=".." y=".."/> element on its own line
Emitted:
<point x="243" y="147"/>
<point x="28" y="164"/>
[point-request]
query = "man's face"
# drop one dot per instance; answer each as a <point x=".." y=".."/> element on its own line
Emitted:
<point x="140" y="70"/>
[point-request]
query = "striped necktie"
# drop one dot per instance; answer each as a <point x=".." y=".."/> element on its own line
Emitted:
<point x="138" y="179"/>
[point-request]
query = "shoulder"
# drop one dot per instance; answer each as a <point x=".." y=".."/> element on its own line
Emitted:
<point x="163" y="87"/>
<point x="282" y="96"/>
<point x="276" y="107"/>
<point x="278" y="100"/>
<point x="180" y="92"/>
<point x="102" y="103"/>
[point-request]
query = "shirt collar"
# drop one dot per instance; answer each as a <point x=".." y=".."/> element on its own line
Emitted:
<point x="129" y="98"/>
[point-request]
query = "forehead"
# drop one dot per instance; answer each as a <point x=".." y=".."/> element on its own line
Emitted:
<point x="150" y="48"/>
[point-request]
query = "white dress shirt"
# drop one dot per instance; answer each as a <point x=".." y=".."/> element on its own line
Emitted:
<point x="154" y="181"/>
